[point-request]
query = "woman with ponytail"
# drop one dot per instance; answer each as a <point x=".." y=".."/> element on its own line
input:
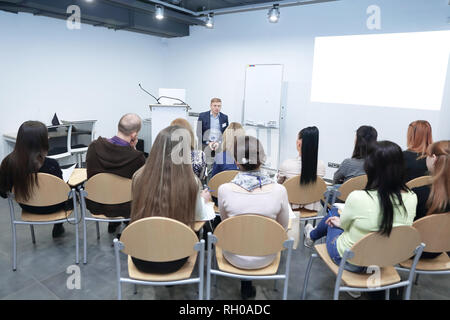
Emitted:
<point x="306" y="164"/>
<point x="385" y="203"/>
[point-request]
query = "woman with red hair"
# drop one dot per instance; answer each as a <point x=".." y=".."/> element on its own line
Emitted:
<point x="418" y="139"/>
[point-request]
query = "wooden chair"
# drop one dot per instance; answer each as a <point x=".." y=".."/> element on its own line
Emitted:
<point x="160" y="239"/>
<point x="380" y="254"/>
<point x="249" y="235"/>
<point x="355" y="183"/>
<point x="302" y="195"/>
<point x="419" y="182"/>
<point x="103" y="188"/>
<point x="50" y="190"/>
<point x="435" y="233"/>
<point x="218" y="180"/>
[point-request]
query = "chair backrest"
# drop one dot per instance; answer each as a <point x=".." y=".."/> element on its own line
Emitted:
<point x="250" y="235"/>
<point x="419" y="182"/>
<point x="108" y="188"/>
<point x="382" y="251"/>
<point x="50" y="190"/>
<point x="158" y="239"/>
<point x="435" y="232"/>
<point x="309" y="193"/>
<point x="355" y="183"/>
<point x="219" y="179"/>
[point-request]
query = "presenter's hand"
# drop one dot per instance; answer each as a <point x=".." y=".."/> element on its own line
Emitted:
<point x="213" y="145"/>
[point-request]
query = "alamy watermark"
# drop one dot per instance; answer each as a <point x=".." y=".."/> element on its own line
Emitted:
<point x="74" y="280"/>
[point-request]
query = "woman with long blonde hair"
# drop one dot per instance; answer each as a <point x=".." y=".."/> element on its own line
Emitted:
<point x="419" y="137"/>
<point x="167" y="187"/>
<point x="198" y="157"/>
<point x="224" y="160"/>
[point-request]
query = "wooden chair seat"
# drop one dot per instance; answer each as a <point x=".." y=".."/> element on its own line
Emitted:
<point x="388" y="275"/>
<point x="439" y="263"/>
<point x="198" y="225"/>
<point x="33" y="217"/>
<point x="184" y="273"/>
<point x="102" y="216"/>
<point x="225" y="266"/>
<point x="305" y="213"/>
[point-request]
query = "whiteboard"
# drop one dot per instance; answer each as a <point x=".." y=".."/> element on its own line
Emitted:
<point x="262" y="96"/>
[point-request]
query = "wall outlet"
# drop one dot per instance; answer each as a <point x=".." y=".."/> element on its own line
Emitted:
<point x="333" y="165"/>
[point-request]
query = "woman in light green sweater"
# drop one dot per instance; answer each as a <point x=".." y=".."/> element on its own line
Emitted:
<point x="385" y="203"/>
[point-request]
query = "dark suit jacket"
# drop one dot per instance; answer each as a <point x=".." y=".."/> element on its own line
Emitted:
<point x="204" y="124"/>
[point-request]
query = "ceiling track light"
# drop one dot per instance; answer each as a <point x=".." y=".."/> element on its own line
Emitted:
<point x="159" y="12"/>
<point x="274" y="14"/>
<point x="210" y="21"/>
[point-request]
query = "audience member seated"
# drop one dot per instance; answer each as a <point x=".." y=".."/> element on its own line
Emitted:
<point x="198" y="157"/>
<point x="252" y="192"/>
<point x="385" y="203"/>
<point x="306" y="163"/>
<point x="354" y="166"/>
<point x="224" y="160"/>
<point x="19" y="169"/>
<point x="419" y="137"/>
<point x="119" y="156"/>
<point x="167" y="187"/>
<point x="435" y="200"/>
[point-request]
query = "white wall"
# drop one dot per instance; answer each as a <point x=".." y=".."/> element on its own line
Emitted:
<point x="212" y="63"/>
<point x="94" y="72"/>
<point x="91" y="73"/>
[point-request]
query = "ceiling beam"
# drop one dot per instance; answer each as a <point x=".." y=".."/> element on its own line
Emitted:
<point x="104" y="14"/>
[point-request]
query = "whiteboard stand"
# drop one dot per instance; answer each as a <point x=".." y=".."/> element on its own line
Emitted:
<point x="163" y="114"/>
<point x="262" y="108"/>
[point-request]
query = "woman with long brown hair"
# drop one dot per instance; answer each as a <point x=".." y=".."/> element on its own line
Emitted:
<point x="19" y="169"/>
<point x="167" y="187"/>
<point x="419" y="137"/>
<point x="434" y="199"/>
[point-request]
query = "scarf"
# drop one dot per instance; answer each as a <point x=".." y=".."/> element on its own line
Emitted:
<point x="251" y="180"/>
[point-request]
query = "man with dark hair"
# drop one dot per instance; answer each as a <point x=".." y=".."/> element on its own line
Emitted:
<point x="119" y="156"/>
<point x="210" y="127"/>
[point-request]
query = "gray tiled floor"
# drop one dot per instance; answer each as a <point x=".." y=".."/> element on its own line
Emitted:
<point x="41" y="271"/>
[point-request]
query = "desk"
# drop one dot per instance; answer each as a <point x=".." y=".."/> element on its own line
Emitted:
<point x="78" y="177"/>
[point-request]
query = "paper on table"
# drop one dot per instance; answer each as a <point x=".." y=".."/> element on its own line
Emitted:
<point x="68" y="172"/>
<point x="209" y="210"/>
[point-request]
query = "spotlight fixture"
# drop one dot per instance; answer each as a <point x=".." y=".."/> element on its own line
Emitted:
<point x="210" y="21"/>
<point x="274" y="14"/>
<point x="159" y="13"/>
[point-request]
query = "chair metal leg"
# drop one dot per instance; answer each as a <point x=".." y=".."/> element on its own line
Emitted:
<point x="386" y="294"/>
<point x="33" y="238"/>
<point x="77" y="240"/>
<point x="84" y="242"/>
<point x="308" y="270"/>
<point x="98" y="229"/>
<point x="14" y="246"/>
<point x="135" y="288"/>
<point x="416" y="282"/>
